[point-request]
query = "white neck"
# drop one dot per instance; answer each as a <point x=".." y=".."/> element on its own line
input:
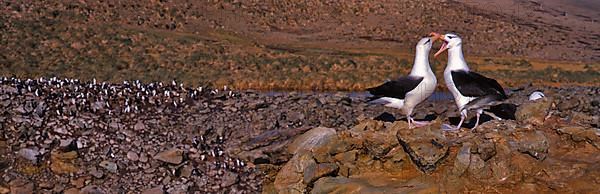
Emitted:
<point x="421" y="65"/>
<point x="456" y="61"/>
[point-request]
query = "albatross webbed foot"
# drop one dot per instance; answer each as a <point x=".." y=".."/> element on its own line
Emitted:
<point x="421" y="123"/>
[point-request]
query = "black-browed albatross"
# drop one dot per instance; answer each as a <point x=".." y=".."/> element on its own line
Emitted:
<point x="407" y="92"/>
<point x="471" y="91"/>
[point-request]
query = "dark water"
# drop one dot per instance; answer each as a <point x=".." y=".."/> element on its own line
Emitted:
<point x="436" y="96"/>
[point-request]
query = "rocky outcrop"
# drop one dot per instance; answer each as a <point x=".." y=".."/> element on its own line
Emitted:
<point x="426" y="146"/>
<point x="384" y="157"/>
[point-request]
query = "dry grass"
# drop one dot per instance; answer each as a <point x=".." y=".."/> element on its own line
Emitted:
<point x="118" y="52"/>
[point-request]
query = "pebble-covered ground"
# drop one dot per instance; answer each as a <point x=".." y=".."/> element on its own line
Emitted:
<point x="64" y="135"/>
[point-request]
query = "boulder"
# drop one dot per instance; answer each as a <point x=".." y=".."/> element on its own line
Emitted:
<point x="374" y="184"/>
<point x="312" y="139"/>
<point x="533" y="143"/>
<point x="579" y="134"/>
<point x="534" y="112"/>
<point x="426" y="146"/>
<point x="172" y="156"/>
<point x="463" y="159"/>
<point x="316" y="171"/>
<point x="290" y="179"/>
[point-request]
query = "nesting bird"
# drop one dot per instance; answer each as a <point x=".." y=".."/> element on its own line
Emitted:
<point x="406" y="92"/>
<point x="471" y="91"/>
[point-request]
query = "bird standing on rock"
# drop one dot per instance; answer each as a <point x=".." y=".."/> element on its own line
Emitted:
<point x="407" y="92"/>
<point x="471" y="91"/>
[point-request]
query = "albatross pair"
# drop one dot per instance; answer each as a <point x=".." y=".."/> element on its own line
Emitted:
<point x="471" y="90"/>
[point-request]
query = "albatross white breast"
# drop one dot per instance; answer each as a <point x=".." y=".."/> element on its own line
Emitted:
<point x="407" y="92"/>
<point x="471" y="91"/>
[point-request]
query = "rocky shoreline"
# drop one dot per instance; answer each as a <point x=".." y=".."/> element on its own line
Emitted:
<point x="69" y="136"/>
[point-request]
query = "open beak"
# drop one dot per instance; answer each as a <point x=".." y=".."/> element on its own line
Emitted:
<point x="444" y="46"/>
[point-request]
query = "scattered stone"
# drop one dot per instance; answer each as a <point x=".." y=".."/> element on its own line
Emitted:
<point x="79" y="182"/>
<point x="92" y="189"/>
<point x="566" y="105"/>
<point x="229" y="178"/>
<point x="96" y="172"/>
<point x="108" y="165"/>
<point x="132" y="156"/>
<point x="19" y="186"/>
<point x="30" y="154"/>
<point x="63" y="162"/>
<point x="71" y="191"/>
<point x="173" y="156"/>
<point x="155" y="190"/>
<point x="4" y="190"/>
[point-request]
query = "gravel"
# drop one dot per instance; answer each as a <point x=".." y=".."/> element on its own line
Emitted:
<point x="157" y="137"/>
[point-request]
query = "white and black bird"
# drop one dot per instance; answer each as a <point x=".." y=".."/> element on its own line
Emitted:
<point x="407" y="92"/>
<point x="471" y="91"/>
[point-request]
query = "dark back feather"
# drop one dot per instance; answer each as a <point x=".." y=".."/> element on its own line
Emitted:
<point x="472" y="84"/>
<point x="396" y="88"/>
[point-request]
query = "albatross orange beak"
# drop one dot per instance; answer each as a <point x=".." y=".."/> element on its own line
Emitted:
<point x="444" y="46"/>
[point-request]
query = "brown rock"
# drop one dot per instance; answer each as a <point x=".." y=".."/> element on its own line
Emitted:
<point x="79" y="182"/>
<point x="21" y="186"/>
<point x="478" y="168"/>
<point x="374" y="184"/>
<point x="463" y="159"/>
<point x="346" y="157"/>
<point x="132" y="156"/>
<point x="316" y="171"/>
<point x="290" y="178"/>
<point x="155" y="190"/>
<point x="71" y="191"/>
<point x="92" y="189"/>
<point x="4" y="190"/>
<point x="186" y="171"/>
<point x="533" y="112"/>
<point x="578" y="134"/>
<point x="228" y="179"/>
<point x="426" y="146"/>
<point x="173" y="156"/>
<point x="312" y="139"/>
<point x="533" y="143"/>
<point x="566" y="105"/>
<point x="63" y="163"/>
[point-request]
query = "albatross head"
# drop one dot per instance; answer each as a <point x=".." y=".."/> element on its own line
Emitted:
<point x="425" y="44"/>
<point x="449" y="41"/>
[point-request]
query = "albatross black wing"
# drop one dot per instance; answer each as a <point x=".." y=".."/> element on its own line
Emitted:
<point x="472" y="84"/>
<point x="396" y="88"/>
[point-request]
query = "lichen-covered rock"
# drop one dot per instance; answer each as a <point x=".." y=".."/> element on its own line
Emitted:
<point x="312" y="139"/>
<point x="172" y="156"/>
<point x="373" y="184"/>
<point x="578" y="134"/>
<point x="534" y="112"/>
<point x="426" y="146"/>
<point x="290" y="179"/>
<point x="533" y="143"/>
<point x="316" y="171"/>
<point x="463" y="159"/>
